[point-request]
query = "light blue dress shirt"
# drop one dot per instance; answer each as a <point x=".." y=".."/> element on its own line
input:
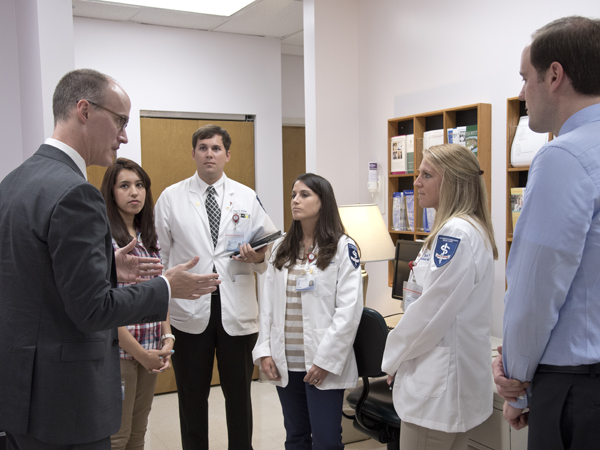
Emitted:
<point x="552" y="305"/>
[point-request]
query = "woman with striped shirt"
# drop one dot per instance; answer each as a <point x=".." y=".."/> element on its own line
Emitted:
<point x="145" y="348"/>
<point x="309" y="315"/>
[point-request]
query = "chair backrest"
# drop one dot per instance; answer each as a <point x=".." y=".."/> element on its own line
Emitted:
<point x="370" y="343"/>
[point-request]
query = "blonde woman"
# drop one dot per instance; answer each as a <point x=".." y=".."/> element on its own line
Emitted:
<point x="440" y="352"/>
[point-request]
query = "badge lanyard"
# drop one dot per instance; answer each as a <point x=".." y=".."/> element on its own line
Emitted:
<point x="234" y="238"/>
<point x="308" y="281"/>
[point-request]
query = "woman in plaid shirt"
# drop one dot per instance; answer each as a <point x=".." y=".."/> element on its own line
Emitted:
<point x="145" y="348"/>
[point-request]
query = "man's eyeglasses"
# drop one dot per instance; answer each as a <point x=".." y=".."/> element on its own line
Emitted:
<point x="123" y="120"/>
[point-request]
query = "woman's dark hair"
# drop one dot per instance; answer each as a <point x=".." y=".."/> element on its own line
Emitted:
<point x="328" y="230"/>
<point x="144" y="220"/>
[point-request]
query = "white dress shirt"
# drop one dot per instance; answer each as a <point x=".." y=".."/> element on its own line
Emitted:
<point x="71" y="153"/>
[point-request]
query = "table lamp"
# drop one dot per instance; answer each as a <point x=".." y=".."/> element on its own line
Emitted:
<point x="364" y="224"/>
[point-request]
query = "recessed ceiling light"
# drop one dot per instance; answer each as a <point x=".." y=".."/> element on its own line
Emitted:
<point x="214" y="7"/>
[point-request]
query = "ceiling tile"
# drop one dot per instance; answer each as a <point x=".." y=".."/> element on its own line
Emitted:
<point x="106" y="11"/>
<point x="272" y="18"/>
<point x="179" y="19"/>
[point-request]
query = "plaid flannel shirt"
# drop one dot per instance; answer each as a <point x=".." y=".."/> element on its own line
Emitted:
<point x="147" y="334"/>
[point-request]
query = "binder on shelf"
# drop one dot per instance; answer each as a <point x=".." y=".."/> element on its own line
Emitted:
<point x="526" y="144"/>
<point x="517" y="197"/>
<point x="398" y="156"/>
<point x="410" y="153"/>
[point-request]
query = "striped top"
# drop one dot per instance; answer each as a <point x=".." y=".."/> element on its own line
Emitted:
<point x="294" y="330"/>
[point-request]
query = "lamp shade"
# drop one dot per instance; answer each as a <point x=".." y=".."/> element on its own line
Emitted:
<point x="365" y="225"/>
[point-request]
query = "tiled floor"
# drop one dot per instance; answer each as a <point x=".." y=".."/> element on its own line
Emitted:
<point x="269" y="434"/>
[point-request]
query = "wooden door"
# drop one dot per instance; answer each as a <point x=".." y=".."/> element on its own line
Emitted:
<point x="167" y="157"/>
<point x="167" y="152"/>
<point x="294" y="164"/>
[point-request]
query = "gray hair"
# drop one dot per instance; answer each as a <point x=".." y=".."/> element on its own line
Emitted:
<point x="76" y="85"/>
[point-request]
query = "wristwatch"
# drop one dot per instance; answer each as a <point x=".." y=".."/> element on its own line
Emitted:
<point x="167" y="336"/>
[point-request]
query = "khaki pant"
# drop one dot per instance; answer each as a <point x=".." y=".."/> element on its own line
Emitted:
<point x="139" y="393"/>
<point x="414" y="437"/>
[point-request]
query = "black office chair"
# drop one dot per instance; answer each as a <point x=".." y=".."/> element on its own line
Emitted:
<point x="374" y="410"/>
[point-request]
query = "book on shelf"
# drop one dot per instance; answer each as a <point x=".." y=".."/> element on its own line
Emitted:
<point x="471" y="138"/>
<point x="410" y="153"/>
<point x="409" y="195"/>
<point x="398" y="211"/>
<point x="428" y="219"/>
<point x="517" y="197"/>
<point x="457" y="135"/>
<point x="526" y="144"/>
<point x="398" y="156"/>
<point x="433" y="137"/>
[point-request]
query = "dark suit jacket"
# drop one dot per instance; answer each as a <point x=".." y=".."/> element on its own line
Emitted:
<point x="59" y="309"/>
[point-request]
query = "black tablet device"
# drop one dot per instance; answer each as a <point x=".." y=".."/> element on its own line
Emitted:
<point x="266" y="240"/>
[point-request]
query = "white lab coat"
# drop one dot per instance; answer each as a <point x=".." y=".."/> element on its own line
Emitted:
<point x="330" y="315"/>
<point x="184" y="231"/>
<point x="440" y="350"/>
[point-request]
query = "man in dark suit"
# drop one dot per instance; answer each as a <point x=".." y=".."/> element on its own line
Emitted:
<point x="59" y="309"/>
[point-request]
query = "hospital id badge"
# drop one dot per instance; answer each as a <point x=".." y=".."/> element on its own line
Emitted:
<point x="410" y="293"/>
<point x="306" y="283"/>
<point x="234" y="239"/>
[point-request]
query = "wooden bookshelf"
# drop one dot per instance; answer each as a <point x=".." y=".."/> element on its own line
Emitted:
<point x="479" y="114"/>
<point x="515" y="176"/>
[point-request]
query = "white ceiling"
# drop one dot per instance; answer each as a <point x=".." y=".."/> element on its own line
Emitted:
<point x="281" y="19"/>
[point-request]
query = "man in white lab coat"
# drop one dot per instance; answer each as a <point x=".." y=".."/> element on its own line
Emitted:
<point x="211" y="215"/>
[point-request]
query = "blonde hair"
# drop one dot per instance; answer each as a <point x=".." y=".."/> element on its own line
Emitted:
<point x="462" y="191"/>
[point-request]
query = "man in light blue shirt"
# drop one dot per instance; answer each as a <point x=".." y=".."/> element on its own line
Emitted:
<point x="552" y="305"/>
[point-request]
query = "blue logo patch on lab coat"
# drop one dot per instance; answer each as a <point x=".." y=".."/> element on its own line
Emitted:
<point x="445" y="248"/>
<point x="353" y="254"/>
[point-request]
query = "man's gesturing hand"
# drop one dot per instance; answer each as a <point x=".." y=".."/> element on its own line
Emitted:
<point x="190" y="285"/>
<point x="131" y="269"/>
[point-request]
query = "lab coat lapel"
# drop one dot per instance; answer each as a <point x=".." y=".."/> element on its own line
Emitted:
<point x="197" y="204"/>
<point x="228" y="207"/>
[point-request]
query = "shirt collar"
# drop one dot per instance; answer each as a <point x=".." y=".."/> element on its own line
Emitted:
<point x="217" y="185"/>
<point x="581" y="117"/>
<point x="71" y="153"/>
